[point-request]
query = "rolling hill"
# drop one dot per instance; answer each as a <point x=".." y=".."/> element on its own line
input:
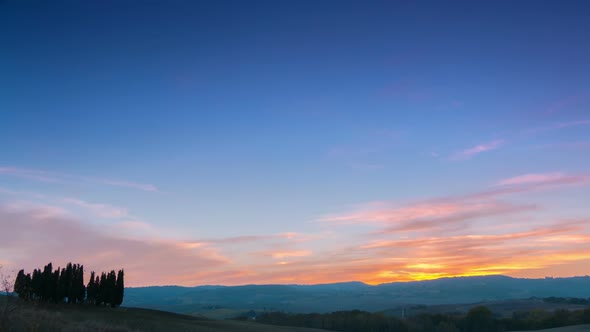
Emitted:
<point x="227" y="301"/>
<point x="27" y="317"/>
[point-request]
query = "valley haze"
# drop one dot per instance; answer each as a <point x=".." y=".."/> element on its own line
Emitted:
<point x="205" y="300"/>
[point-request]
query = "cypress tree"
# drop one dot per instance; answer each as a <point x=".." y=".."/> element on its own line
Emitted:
<point x="112" y="288"/>
<point x="46" y="277"/>
<point x="57" y="285"/>
<point x="81" y="289"/>
<point x="28" y="288"/>
<point x="103" y="289"/>
<point x="97" y="290"/>
<point x="54" y="285"/>
<point x="90" y="293"/>
<point x="61" y="286"/>
<point x="69" y="284"/>
<point x="36" y="283"/>
<point x="19" y="284"/>
<point x="120" y="287"/>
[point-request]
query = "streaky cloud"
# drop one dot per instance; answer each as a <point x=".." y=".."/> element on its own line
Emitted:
<point x="557" y="126"/>
<point x="475" y="150"/>
<point x="556" y="178"/>
<point x="54" y="177"/>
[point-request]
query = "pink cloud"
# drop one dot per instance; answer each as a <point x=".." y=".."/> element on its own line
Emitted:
<point x="101" y="210"/>
<point x="237" y="240"/>
<point x="459" y="220"/>
<point x="455" y="213"/>
<point x="470" y="152"/>
<point x="33" y="236"/>
<point x="395" y="215"/>
<point x="542" y="179"/>
<point x="430" y="216"/>
<point x="129" y="184"/>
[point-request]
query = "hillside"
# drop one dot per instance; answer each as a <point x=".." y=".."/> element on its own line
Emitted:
<point x="577" y="328"/>
<point x="501" y="308"/>
<point x="26" y="317"/>
<point x="224" y="301"/>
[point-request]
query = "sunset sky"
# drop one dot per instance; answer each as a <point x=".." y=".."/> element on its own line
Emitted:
<point x="239" y="142"/>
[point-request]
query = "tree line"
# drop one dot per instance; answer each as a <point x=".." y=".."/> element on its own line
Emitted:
<point x="478" y="319"/>
<point x="66" y="285"/>
<point x="568" y="300"/>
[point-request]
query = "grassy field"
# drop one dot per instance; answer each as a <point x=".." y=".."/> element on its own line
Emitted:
<point x="504" y="308"/>
<point x="70" y="318"/>
<point x="576" y="328"/>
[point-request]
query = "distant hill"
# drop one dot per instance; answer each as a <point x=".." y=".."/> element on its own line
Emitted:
<point x="210" y="300"/>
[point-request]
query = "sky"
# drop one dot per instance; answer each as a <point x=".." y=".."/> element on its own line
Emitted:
<point x="256" y="142"/>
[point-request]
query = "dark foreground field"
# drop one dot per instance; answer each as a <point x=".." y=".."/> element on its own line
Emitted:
<point x="25" y="317"/>
<point x="577" y="328"/>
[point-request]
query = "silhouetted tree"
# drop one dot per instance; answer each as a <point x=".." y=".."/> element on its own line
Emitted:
<point x="46" y="285"/>
<point x="55" y="286"/>
<point x="80" y="288"/>
<point x="90" y="290"/>
<point x="37" y="283"/>
<point x="112" y="288"/>
<point x="103" y="290"/>
<point x="69" y="288"/>
<point x="120" y="288"/>
<point x="22" y="285"/>
<point x="61" y="286"/>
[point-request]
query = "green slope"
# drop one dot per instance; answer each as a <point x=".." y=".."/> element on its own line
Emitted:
<point x="576" y="328"/>
<point x="27" y="317"/>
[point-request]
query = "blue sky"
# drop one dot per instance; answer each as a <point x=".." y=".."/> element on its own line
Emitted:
<point x="188" y="121"/>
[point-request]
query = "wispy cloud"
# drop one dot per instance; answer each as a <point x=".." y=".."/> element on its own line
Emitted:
<point x="555" y="178"/>
<point x="236" y="240"/>
<point x="430" y="216"/>
<point x="288" y="254"/>
<point x="439" y="211"/>
<point x="47" y="176"/>
<point x="30" y="174"/>
<point x="557" y="126"/>
<point x="475" y="150"/>
<point x="101" y="210"/>
<point x="128" y="184"/>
